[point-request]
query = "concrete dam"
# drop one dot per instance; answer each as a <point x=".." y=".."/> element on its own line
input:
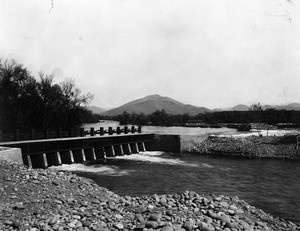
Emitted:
<point x="44" y="153"/>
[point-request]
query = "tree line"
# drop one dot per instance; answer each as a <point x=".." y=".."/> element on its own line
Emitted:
<point x="269" y="116"/>
<point x="254" y="115"/>
<point x="29" y="102"/>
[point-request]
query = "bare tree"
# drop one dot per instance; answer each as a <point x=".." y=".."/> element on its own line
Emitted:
<point x="73" y="96"/>
<point x="257" y="110"/>
<point x="73" y="100"/>
<point x="50" y="96"/>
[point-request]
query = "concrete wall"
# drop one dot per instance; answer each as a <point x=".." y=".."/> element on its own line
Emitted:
<point x="11" y="154"/>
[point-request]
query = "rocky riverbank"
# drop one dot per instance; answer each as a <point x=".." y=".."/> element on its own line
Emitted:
<point x="37" y="199"/>
<point x="282" y="147"/>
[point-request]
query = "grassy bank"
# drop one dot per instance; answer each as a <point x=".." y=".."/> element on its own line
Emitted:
<point x="36" y="199"/>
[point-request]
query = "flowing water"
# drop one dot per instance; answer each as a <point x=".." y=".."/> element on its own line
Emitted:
<point x="271" y="185"/>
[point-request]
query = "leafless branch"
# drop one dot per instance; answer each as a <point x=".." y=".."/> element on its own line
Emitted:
<point x="52" y="6"/>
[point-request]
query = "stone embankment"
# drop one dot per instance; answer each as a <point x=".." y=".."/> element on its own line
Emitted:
<point x="37" y="199"/>
<point x="284" y="147"/>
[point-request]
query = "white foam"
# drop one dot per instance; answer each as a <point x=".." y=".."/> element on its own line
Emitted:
<point x="103" y="169"/>
<point x="154" y="153"/>
<point x="154" y="157"/>
<point x="112" y="170"/>
<point x="207" y="165"/>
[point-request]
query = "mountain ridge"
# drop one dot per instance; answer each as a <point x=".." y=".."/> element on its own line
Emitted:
<point x="152" y="103"/>
<point x="96" y="110"/>
<point x="243" y="107"/>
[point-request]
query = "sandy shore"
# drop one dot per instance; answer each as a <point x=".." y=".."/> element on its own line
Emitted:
<point x="37" y="199"/>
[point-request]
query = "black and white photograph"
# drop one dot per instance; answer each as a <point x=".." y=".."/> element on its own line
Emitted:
<point x="150" y="115"/>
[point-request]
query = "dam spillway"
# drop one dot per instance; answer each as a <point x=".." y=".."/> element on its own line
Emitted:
<point x="53" y="152"/>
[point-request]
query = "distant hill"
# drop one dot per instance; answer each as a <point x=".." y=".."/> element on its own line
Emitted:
<point x="152" y="103"/>
<point x="96" y="110"/>
<point x="239" y="107"/>
<point x="267" y="106"/>
<point x="291" y="106"/>
<point x="242" y="107"/>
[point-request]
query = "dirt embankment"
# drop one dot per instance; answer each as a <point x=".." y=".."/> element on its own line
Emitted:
<point x="284" y="147"/>
<point x="37" y="199"/>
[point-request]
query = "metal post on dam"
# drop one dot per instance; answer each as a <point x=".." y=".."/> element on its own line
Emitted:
<point x="53" y="152"/>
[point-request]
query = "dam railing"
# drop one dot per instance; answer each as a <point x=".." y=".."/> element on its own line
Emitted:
<point x="33" y="134"/>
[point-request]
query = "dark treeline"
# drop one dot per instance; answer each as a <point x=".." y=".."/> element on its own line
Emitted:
<point x="157" y="118"/>
<point x="161" y="118"/>
<point x="269" y="116"/>
<point x="27" y="102"/>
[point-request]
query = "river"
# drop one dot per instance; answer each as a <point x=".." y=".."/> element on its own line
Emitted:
<point x="271" y="185"/>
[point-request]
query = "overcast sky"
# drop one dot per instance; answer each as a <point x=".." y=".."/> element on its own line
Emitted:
<point x="212" y="53"/>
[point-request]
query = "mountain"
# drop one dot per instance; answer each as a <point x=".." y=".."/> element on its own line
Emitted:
<point x="291" y="106"/>
<point x="267" y="106"/>
<point x="96" y="110"/>
<point x="218" y="109"/>
<point x="151" y="103"/>
<point x="239" y="107"/>
<point x="242" y="107"/>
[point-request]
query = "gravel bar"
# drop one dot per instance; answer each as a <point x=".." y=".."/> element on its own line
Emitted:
<point x="47" y="199"/>
<point x="283" y="147"/>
